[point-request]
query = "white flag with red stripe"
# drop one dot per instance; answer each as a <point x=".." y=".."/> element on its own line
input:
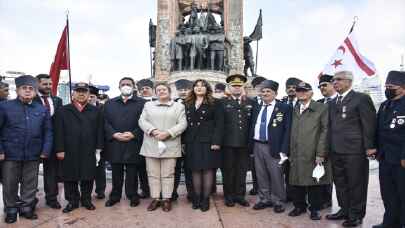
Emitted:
<point x="349" y="58"/>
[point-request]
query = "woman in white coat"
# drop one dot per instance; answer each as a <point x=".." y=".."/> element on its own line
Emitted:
<point x="163" y="121"/>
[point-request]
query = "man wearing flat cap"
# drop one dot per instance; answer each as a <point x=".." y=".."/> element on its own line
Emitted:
<point x="219" y="90"/>
<point x="391" y="151"/>
<point x="290" y="86"/>
<point x="308" y="149"/>
<point x="183" y="88"/>
<point x="270" y="123"/>
<point x="237" y="115"/>
<point x="352" y="127"/>
<point x="328" y="93"/>
<point x="291" y="99"/>
<point x="78" y="138"/>
<point x="25" y="138"/>
<point x="145" y="88"/>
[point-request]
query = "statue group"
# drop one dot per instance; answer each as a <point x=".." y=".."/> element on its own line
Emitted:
<point x="199" y="43"/>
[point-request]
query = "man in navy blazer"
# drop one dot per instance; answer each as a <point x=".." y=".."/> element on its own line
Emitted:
<point x="269" y="137"/>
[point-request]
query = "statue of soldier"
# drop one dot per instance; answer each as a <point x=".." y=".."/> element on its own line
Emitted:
<point x="172" y="50"/>
<point x="187" y="46"/>
<point x="248" y="56"/>
<point x="193" y="21"/>
<point x="180" y="41"/>
<point x="217" y="48"/>
<point x="201" y="45"/>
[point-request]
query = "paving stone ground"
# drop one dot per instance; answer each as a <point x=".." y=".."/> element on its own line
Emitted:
<point x="219" y="216"/>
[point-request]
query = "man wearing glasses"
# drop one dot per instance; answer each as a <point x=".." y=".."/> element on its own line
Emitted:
<point x="352" y="133"/>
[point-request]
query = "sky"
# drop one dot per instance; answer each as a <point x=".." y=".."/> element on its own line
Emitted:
<point x="109" y="39"/>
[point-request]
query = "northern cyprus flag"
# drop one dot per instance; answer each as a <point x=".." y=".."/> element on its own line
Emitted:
<point x="349" y="58"/>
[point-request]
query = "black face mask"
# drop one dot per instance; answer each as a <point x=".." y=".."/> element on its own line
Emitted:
<point x="390" y="93"/>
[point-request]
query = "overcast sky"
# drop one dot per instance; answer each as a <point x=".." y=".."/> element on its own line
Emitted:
<point x="109" y="39"/>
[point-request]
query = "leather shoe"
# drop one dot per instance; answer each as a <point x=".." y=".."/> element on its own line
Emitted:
<point x="242" y="201"/>
<point x="70" y="207"/>
<point x="196" y="202"/>
<point x="100" y="196"/>
<point x="261" y="206"/>
<point x="378" y="226"/>
<point x="29" y="215"/>
<point x="315" y="215"/>
<point x="134" y="202"/>
<point x="340" y="215"/>
<point x="88" y="205"/>
<point x="205" y="205"/>
<point x="153" y="205"/>
<point x="54" y="205"/>
<point x="352" y="223"/>
<point x="297" y="212"/>
<point x="279" y="208"/>
<point x="229" y="202"/>
<point x="111" y="202"/>
<point x="11" y="218"/>
<point x="166" y="205"/>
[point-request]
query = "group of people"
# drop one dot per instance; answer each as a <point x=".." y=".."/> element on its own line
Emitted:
<point x="297" y="146"/>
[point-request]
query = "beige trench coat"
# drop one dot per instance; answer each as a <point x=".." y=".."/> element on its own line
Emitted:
<point x="168" y="117"/>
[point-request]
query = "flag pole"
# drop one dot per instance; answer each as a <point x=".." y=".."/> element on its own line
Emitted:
<point x="257" y="56"/>
<point x="355" y="19"/>
<point x="68" y="44"/>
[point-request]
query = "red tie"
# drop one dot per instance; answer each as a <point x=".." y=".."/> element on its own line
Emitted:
<point x="46" y="104"/>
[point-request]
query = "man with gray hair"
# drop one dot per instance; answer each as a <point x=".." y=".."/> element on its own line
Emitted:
<point x="25" y="138"/>
<point x="352" y="139"/>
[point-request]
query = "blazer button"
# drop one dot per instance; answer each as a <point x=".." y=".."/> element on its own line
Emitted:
<point x="191" y="124"/>
<point x="201" y="117"/>
<point x="198" y="123"/>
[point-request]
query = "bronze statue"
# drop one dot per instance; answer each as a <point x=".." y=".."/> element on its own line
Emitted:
<point x="248" y="56"/>
<point x="217" y="48"/>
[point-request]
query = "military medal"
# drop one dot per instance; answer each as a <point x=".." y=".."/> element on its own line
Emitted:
<point x="392" y="126"/>
<point x="401" y="121"/>
<point x="344" y="109"/>
<point x="274" y="123"/>
<point x="344" y="115"/>
<point x="344" y="112"/>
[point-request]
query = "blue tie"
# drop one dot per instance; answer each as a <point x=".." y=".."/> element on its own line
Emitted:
<point x="263" y="125"/>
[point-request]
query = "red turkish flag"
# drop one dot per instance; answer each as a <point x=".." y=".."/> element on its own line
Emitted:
<point x="61" y="61"/>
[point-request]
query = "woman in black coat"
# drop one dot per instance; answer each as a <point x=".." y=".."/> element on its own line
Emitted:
<point x="202" y="139"/>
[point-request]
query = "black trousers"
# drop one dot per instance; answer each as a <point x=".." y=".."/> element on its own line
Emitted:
<point x="235" y="165"/>
<point x="300" y="193"/>
<point x="52" y="176"/>
<point x="286" y="169"/>
<point x="143" y="178"/>
<point x="253" y="170"/>
<point x="131" y="181"/>
<point x="100" y="180"/>
<point x="350" y="175"/>
<point x="181" y="165"/>
<point x="392" y="185"/>
<point x="14" y="173"/>
<point x="72" y="193"/>
<point x="326" y="193"/>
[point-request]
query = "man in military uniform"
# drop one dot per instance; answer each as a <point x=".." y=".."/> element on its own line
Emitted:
<point x="183" y="88"/>
<point x="237" y="115"/>
<point x="4" y="91"/>
<point x="391" y="151"/>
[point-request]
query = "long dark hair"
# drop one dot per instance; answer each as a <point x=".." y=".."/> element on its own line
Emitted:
<point x="208" y="98"/>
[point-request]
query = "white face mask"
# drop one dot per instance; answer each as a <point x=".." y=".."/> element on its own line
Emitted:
<point x="127" y="91"/>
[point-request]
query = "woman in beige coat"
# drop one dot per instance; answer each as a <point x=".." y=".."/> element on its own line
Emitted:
<point x="163" y="121"/>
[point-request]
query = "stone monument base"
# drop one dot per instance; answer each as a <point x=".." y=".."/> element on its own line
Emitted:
<point x="213" y="77"/>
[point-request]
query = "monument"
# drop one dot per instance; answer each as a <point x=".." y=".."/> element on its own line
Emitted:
<point x="198" y="39"/>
